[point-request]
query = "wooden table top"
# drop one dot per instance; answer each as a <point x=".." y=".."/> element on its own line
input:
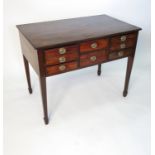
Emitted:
<point x="53" y="33"/>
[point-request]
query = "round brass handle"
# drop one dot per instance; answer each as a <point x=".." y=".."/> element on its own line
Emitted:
<point x="93" y="45"/>
<point x="122" y="46"/>
<point x="62" y="50"/>
<point x="62" y="67"/>
<point x="123" y="38"/>
<point x="62" y="59"/>
<point x="93" y="58"/>
<point x="120" y="54"/>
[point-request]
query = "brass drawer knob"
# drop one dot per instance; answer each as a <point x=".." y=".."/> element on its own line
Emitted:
<point x="123" y="38"/>
<point x="62" y="59"/>
<point x="62" y="50"/>
<point x="120" y="54"/>
<point x="93" y="45"/>
<point x="111" y="55"/>
<point x="93" y="58"/>
<point x="122" y="46"/>
<point x="62" y="67"/>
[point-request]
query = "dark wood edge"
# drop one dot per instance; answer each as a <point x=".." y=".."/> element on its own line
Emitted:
<point x="41" y="63"/>
<point x="78" y="55"/>
<point x="136" y="43"/>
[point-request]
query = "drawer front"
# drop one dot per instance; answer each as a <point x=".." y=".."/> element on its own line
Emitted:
<point x="125" y="37"/>
<point x="93" y="58"/>
<point x="93" y="45"/>
<point x="61" y="55"/>
<point x="123" y="41"/>
<point x="120" y="54"/>
<point x="57" y="69"/>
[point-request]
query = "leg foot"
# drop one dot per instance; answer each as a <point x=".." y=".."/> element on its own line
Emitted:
<point x="46" y="121"/>
<point x="30" y="90"/>
<point x="99" y="70"/>
<point x="125" y="93"/>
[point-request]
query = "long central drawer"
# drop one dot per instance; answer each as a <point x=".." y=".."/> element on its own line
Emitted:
<point x="94" y="45"/>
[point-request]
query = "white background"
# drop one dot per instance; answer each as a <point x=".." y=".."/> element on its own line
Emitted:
<point x="88" y="114"/>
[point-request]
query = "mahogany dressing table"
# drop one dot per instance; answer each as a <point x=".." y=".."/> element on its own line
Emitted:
<point x="61" y="46"/>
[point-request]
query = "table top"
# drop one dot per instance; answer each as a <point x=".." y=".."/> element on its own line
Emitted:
<point x="52" y="33"/>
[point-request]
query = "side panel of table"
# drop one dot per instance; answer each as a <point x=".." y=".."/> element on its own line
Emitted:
<point x="30" y="53"/>
<point x="35" y="58"/>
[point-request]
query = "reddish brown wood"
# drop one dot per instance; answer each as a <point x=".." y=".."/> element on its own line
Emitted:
<point x="56" y="70"/>
<point x="27" y="74"/>
<point x="85" y="59"/>
<point x="128" y="36"/>
<point x="116" y="44"/>
<point x="71" y="48"/>
<point x="52" y="58"/>
<point x="86" y="46"/>
<point x="115" y="54"/>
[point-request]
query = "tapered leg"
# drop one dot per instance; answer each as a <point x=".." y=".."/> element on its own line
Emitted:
<point x="99" y="70"/>
<point x="44" y="98"/>
<point x="26" y="64"/>
<point x="128" y="73"/>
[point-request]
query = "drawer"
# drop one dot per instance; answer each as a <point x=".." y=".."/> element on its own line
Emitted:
<point x="120" y="54"/>
<point x="61" y="55"/>
<point x="123" y="41"/>
<point x="123" y="38"/>
<point x="57" y="69"/>
<point x="93" y="58"/>
<point x="94" y="45"/>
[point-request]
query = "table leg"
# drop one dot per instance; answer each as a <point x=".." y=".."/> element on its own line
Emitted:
<point x="128" y="73"/>
<point x="26" y="64"/>
<point x="44" y="98"/>
<point x="99" y="70"/>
